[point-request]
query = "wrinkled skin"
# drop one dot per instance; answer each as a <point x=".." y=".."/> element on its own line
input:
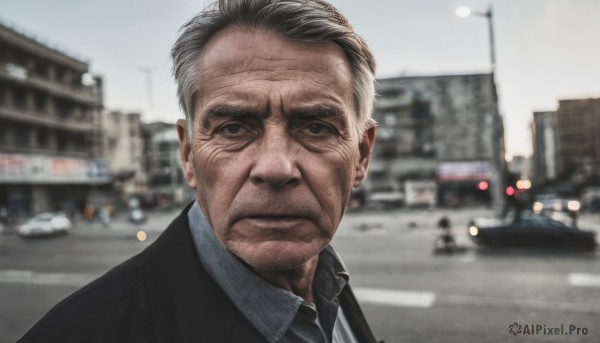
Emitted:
<point x="274" y="153"/>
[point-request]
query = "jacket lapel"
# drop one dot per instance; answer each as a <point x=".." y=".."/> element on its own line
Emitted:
<point x="355" y="316"/>
<point x="187" y="305"/>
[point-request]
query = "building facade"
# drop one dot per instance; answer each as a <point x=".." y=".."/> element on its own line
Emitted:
<point x="543" y="133"/>
<point x="578" y="136"/>
<point x="124" y="151"/>
<point x="436" y="128"/>
<point x="166" y="185"/>
<point x="50" y="158"/>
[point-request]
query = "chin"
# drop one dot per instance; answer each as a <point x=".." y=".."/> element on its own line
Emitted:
<point x="278" y="255"/>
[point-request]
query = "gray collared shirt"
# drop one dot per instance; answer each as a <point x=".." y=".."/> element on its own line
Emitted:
<point x="279" y="315"/>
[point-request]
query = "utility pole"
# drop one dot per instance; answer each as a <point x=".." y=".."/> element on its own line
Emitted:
<point x="497" y="158"/>
<point x="148" y="72"/>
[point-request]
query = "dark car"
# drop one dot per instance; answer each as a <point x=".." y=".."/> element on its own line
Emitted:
<point x="530" y="230"/>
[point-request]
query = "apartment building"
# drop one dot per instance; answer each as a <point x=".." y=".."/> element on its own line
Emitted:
<point x="50" y="151"/>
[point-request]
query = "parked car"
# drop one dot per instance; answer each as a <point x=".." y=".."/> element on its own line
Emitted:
<point x="45" y="224"/>
<point x="530" y="230"/>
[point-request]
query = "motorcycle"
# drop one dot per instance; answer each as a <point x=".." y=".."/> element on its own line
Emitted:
<point x="445" y="243"/>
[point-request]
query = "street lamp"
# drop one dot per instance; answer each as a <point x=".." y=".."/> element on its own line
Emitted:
<point x="497" y="155"/>
<point x="464" y="12"/>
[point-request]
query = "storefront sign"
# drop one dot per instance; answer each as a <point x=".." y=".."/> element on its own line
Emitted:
<point x="463" y="171"/>
<point x="44" y="169"/>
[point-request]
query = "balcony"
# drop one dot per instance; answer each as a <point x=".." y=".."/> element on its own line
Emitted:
<point x="46" y="152"/>
<point x="83" y="95"/>
<point x="18" y="115"/>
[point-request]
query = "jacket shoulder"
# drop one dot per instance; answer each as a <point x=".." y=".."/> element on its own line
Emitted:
<point x="113" y="308"/>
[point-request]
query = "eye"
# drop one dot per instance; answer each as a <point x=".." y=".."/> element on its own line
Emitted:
<point x="231" y="129"/>
<point x="315" y="128"/>
<point x="319" y="129"/>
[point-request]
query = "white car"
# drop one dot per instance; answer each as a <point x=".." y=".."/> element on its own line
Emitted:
<point x="45" y="224"/>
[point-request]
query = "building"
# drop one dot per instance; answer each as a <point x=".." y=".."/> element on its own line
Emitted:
<point x="124" y="151"/>
<point x="543" y="133"/>
<point x="50" y="158"/>
<point x="578" y="136"/>
<point x="166" y="185"/>
<point x="436" y="128"/>
<point x="520" y="167"/>
<point x="566" y="149"/>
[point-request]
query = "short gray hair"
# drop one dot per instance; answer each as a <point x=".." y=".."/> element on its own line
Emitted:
<point x="303" y="20"/>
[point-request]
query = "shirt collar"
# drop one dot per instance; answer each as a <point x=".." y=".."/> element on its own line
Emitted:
<point x="270" y="309"/>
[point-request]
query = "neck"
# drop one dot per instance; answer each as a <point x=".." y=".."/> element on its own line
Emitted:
<point x="298" y="281"/>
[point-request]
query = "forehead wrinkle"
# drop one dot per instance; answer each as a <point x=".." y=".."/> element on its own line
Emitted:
<point x="279" y="74"/>
<point x="237" y="65"/>
<point x="253" y="94"/>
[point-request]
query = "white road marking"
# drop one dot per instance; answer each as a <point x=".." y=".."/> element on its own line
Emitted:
<point x="33" y="278"/>
<point x="390" y="297"/>
<point x="584" y="280"/>
<point x="518" y="303"/>
<point x="467" y="258"/>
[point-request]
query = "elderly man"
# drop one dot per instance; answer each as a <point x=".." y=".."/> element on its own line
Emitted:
<point x="277" y="97"/>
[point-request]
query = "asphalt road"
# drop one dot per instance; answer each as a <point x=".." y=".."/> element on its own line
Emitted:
<point x="407" y="293"/>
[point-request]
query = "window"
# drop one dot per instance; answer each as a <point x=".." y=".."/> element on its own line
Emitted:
<point x="21" y="136"/>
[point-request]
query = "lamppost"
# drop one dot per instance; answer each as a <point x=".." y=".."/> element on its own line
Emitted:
<point x="497" y="172"/>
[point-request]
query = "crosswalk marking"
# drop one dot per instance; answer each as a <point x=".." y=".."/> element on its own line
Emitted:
<point x="58" y="279"/>
<point x="395" y="298"/>
<point x="584" y="280"/>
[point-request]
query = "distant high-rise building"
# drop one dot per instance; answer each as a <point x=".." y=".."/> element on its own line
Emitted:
<point x="50" y="152"/>
<point x="578" y="135"/>
<point x="520" y="166"/>
<point x="543" y="133"/>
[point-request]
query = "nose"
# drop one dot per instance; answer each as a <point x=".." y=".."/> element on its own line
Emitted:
<point x="275" y="164"/>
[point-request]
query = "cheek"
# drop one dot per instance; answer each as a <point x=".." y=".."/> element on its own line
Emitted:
<point x="330" y="179"/>
<point x="219" y="176"/>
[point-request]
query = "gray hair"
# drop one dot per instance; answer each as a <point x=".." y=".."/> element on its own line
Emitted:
<point x="303" y="20"/>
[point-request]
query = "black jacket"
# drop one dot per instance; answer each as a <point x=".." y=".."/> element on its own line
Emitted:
<point x="161" y="295"/>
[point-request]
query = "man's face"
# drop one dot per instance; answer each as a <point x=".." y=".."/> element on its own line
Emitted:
<point x="274" y="152"/>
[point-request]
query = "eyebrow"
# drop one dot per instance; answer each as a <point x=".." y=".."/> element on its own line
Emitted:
<point x="319" y="112"/>
<point x="309" y="112"/>
<point x="229" y="112"/>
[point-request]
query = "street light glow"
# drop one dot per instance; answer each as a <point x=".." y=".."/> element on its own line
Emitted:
<point x="141" y="236"/>
<point x="463" y="12"/>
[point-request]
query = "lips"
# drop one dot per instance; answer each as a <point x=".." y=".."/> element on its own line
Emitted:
<point x="272" y="221"/>
<point x="272" y="211"/>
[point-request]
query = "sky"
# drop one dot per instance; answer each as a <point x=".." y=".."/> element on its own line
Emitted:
<point x="546" y="49"/>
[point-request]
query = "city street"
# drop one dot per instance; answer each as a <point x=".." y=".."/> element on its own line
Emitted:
<point x="407" y="293"/>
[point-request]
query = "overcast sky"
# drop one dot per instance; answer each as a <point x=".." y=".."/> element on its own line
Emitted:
<point x="546" y="49"/>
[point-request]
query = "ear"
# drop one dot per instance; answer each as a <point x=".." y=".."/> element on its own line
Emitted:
<point x="365" y="148"/>
<point x="185" y="153"/>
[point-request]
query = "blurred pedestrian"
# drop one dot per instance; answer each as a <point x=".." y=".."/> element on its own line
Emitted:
<point x="445" y="225"/>
<point x="88" y="212"/>
<point x="105" y="216"/>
